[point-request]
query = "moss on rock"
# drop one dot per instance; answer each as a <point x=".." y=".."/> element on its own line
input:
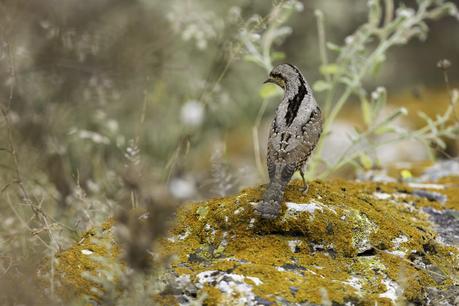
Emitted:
<point x="344" y="241"/>
<point x="78" y="266"/>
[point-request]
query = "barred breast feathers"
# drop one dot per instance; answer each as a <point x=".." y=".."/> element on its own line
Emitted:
<point x="295" y="109"/>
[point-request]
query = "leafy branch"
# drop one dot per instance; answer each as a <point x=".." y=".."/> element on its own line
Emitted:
<point x="363" y="54"/>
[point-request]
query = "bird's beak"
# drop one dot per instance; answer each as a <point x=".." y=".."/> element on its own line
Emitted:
<point x="277" y="82"/>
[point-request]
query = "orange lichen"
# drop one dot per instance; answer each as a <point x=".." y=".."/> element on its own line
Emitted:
<point x="264" y="247"/>
<point x="343" y="241"/>
<point x="83" y="258"/>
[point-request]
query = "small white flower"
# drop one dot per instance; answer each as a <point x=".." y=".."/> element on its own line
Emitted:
<point x="93" y="186"/>
<point x="376" y="94"/>
<point x="298" y="6"/>
<point x="234" y="13"/>
<point x="93" y="136"/>
<point x="349" y="39"/>
<point x="8" y="221"/>
<point x="45" y="24"/>
<point x="132" y="152"/>
<point x="192" y="113"/>
<point x="201" y="44"/>
<point x="112" y="125"/>
<point x="189" y="32"/>
<point x="405" y="12"/>
<point x="255" y="36"/>
<point x="181" y="188"/>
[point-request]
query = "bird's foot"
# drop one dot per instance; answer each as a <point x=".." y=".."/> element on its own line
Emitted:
<point x="304" y="189"/>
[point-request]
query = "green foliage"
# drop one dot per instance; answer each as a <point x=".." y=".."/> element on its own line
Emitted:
<point x="361" y="56"/>
<point x="269" y="90"/>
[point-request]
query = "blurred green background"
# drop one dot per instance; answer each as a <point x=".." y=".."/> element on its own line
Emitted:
<point x="109" y="97"/>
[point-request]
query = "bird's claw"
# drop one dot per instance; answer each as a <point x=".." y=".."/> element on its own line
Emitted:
<point x="304" y="189"/>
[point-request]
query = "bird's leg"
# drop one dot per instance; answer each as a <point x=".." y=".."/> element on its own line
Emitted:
<point x="305" y="187"/>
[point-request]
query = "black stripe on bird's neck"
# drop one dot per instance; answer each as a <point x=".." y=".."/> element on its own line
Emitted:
<point x="295" y="101"/>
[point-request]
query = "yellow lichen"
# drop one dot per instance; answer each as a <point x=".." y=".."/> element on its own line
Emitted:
<point x="353" y="240"/>
<point x="350" y="212"/>
<point x="73" y="263"/>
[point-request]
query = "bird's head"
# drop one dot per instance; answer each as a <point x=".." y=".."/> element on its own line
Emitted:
<point x="282" y="74"/>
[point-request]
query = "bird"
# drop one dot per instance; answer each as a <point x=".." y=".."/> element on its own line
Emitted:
<point x="295" y="132"/>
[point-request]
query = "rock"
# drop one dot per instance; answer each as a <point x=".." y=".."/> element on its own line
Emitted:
<point x="430" y="195"/>
<point x="343" y="243"/>
<point x="441" y="169"/>
<point x="446" y="223"/>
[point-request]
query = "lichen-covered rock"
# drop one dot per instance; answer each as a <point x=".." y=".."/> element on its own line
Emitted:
<point x="77" y="268"/>
<point x="344" y="243"/>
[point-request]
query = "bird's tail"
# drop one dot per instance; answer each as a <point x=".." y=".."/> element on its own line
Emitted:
<point x="270" y="205"/>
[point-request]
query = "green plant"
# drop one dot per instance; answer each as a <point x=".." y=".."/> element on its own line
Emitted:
<point x="362" y="55"/>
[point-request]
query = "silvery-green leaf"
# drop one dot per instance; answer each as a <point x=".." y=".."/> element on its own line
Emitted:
<point x="269" y="90"/>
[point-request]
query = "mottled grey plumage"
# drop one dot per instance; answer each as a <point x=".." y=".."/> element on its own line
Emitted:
<point x="294" y="133"/>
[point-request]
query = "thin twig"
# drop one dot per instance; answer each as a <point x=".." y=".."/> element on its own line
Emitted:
<point x="256" y="140"/>
<point x="449" y="91"/>
<point x="322" y="41"/>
